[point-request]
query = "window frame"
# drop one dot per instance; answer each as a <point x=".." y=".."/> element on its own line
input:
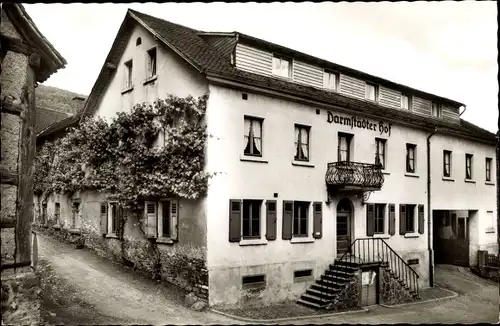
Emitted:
<point x="375" y="91"/>
<point x="376" y="218"/>
<point x="251" y="136"/>
<point x="412" y="147"/>
<point x="408" y="96"/>
<point x="282" y="58"/>
<point x="112" y="227"/>
<point x="129" y="66"/>
<point x="468" y="166"/>
<point x="75" y="213"/>
<point x="487" y="168"/>
<point x="439" y="109"/>
<point x="377" y="154"/>
<point x="326" y="78"/>
<point x="296" y="210"/>
<point x="412" y="217"/>
<point x="297" y="156"/>
<point x="348" y="142"/>
<point x="149" y="70"/>
<point x="252" y="203"/>
<point x="57" y="212"/>
<point x="447" y="153"/>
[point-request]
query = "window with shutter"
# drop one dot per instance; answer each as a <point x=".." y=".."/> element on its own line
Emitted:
<point x="410" y="218"/>
<point x="174" y="217"/>
<point x="300" y="218"/>
<point x="421" y="225"/>
<point x="402" y="219"/>
<point x="287" y="220"/>
<point x="392" y="219"/>
<point x="251" y="219"/>
<point x="104" y="218"/>
<point x="318" y="220"/>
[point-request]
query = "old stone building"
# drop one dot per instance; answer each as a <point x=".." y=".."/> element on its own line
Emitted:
<point x="27" y="58"/>
<point x="315" y="162"/>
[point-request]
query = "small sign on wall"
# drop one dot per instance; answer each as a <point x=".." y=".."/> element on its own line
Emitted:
<point x="367" y="278"/>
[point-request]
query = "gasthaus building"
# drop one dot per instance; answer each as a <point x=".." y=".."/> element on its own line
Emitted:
<point x="337" y="186"/>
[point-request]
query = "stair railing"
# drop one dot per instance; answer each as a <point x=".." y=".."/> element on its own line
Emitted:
<point x="376" y="250"/>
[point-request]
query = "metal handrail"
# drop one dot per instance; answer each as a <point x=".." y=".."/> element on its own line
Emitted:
<point x="380" y="252"/>
<point x="354" y="174"/>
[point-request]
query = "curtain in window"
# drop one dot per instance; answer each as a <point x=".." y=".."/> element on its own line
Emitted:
<point x="343" y="149"/>
<point x="304" y="135"/>
<point x="332" y="81"/>
<point x="276" y="65"/>
<point x="257" y="136"/>
<point x="247" y="130"/>
<point x="410" y="159"/>
<point x="297" y="144"/>
<point x="446" y="164"/>
<point x="284" y="67"/>
<point x="370" y="92"/>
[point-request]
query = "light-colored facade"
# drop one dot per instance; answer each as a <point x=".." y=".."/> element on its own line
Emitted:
<point x="276" y="176"/>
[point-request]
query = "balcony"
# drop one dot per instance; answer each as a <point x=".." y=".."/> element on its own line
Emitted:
<point x="354" y="176"/>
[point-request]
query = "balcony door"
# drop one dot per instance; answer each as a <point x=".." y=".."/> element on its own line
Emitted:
<point x="344" y="216"/>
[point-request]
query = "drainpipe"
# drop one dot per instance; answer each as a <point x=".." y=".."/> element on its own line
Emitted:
<point x="429" y="211"/>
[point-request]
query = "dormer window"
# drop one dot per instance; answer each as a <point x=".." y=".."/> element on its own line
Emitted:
<point x="371" y="92"/>
<point x="330" y="80"/>
<point x="436" y="110"/>
<point x="405" y="102"/>
<point x="282" y="66"/>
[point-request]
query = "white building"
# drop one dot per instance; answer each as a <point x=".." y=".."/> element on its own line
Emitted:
<point x="297" y="139"/>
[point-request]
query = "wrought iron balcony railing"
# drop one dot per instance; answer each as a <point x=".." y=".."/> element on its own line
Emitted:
<point x="356" y="175"/>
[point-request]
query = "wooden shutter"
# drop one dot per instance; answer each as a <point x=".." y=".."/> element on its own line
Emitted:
<point x="421" y="225"/>
<point x="287" y="220"/>
<point x="318" y="220"/>
<point x="104" y="218"/>
<point x="174" y="219"/>
<point x="151" y="213"/>
<point x="392" y="219"/>
<point x="234" y="220"/>
<point x="370" y="219"/>
<point x="271" y="220"/>
<point x="119" y="219"/>
<point x="402" y="219"/>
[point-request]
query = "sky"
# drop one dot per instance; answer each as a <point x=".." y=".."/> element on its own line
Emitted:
<point x="446" y="48"/>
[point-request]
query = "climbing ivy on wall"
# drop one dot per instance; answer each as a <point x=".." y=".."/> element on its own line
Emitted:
<point x="120" y="157"/>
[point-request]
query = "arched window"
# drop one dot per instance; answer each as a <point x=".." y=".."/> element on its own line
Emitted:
<point x="138" y="42"/>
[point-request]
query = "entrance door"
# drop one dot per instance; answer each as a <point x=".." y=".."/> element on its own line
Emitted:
<point x="343" y="232"/>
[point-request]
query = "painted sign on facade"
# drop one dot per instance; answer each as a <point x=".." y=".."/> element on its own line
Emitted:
<point x="353" y="121"/>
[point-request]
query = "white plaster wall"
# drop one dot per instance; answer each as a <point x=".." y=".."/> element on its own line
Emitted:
<point x="175" y="76"/>
<point x="250" y="180"/>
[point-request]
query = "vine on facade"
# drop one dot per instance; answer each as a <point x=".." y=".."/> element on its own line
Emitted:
<point x="153" y="151"/>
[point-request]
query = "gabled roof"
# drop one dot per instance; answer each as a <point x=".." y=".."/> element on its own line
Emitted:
<point x="50" y="59"/>
<point x="210" y="53"/>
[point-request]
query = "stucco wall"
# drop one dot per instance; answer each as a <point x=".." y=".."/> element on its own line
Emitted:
<point x="174" y="76"/>
<point x="252" y="180"/>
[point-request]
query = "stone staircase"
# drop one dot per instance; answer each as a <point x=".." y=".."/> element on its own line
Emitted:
<point x="335" y="278"/>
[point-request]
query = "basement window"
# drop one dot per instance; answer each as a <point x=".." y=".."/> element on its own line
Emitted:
<point x="254" y="282"/>
<point x="414" y="261"/>
<point x="302" y="275"/>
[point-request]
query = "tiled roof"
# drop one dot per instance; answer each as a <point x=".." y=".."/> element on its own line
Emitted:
<point x="45" y="118"/>
<point x="210" y="54"/>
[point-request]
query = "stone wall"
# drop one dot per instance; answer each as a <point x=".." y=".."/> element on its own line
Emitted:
<point x="391" y="290"/>
<point x="348" y="297"/>
<point x="20" y="299"/>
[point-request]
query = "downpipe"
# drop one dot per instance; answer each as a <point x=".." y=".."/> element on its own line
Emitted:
<point x="429" y="211"/>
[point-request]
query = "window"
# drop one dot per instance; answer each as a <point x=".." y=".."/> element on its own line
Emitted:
<point x="57" y="212"/>
<point x="301" y="143"/>
<point x="488" y="169"/>
<point x="436" y="110"/>
<point x="300" y="220"/>
<point x="254" y="282"/>
<point x="410" y="158"/>
<point x="253" y="136"/>
<point x="251" y="219"/>
<point x="302" y="275"/>
<point x="468" y="166"/>
<point x="446" y="163"/>
<point x="151" y="63"/>
<point x="128" y="74"/>
<point x="380" y="152"/>
<point x="344" y="147"/>
<point x="161" y="219"/>
<point x="405" y="101"/>
<point x="371" y="92"/>
<point x="410" y="218"/>
<point x="113" y="217"/>
<point x="330" y="80"/>
<point x="379" y="218"/>
<point x="138" y="41"/>
<point x="282" y="67"/>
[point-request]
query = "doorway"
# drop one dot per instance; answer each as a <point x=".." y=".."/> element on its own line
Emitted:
<point x="344" y="215"/>
<point x="451" y="237"/>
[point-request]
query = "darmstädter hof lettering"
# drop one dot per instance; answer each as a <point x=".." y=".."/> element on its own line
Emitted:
<point x="360" y="123"/>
